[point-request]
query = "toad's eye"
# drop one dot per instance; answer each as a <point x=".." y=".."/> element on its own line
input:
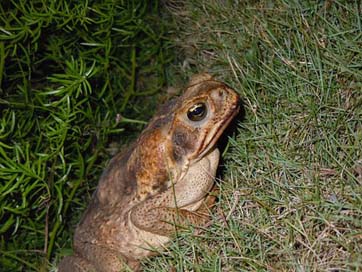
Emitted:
<point x="197" y="112"/>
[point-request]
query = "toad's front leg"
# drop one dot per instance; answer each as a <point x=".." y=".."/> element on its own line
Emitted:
<point x="179" y="204"/>
<point x="106" y="260"/>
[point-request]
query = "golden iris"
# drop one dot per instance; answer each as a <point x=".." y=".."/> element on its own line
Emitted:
<point x="197" y="112"/>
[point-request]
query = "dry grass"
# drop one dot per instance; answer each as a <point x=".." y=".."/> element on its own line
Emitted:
<point x="292" y="176"/>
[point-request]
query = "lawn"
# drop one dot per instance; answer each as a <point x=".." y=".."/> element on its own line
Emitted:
<point x="291" y="190"/>
<point x="291" y="175"/>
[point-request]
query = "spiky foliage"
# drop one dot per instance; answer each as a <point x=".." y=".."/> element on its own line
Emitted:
<point x="67" y="70"/>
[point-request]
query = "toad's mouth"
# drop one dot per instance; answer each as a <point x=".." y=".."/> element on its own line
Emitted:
<point x="215" y="133"/>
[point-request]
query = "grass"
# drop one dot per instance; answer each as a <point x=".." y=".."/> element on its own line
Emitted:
<point x="290" y="189"/>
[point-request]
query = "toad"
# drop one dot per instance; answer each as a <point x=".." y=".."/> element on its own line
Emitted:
<point x="161" y="183"/>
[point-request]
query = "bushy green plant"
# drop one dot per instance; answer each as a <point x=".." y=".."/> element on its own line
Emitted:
<point x="67" y="70"/>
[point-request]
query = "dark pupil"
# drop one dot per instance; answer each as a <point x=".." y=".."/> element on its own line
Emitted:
<point x="197" y="112"/>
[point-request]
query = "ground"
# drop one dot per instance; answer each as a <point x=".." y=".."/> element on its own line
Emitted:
<point x="291" y="189"/>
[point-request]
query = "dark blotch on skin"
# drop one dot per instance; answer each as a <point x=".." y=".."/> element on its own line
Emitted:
<point x="183" y="143"/>
<point x="177" y="153"/>
<point x="159" y="188"/>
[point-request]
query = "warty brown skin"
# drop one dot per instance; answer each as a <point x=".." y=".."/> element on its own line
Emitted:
<point x="160" y="182"/>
